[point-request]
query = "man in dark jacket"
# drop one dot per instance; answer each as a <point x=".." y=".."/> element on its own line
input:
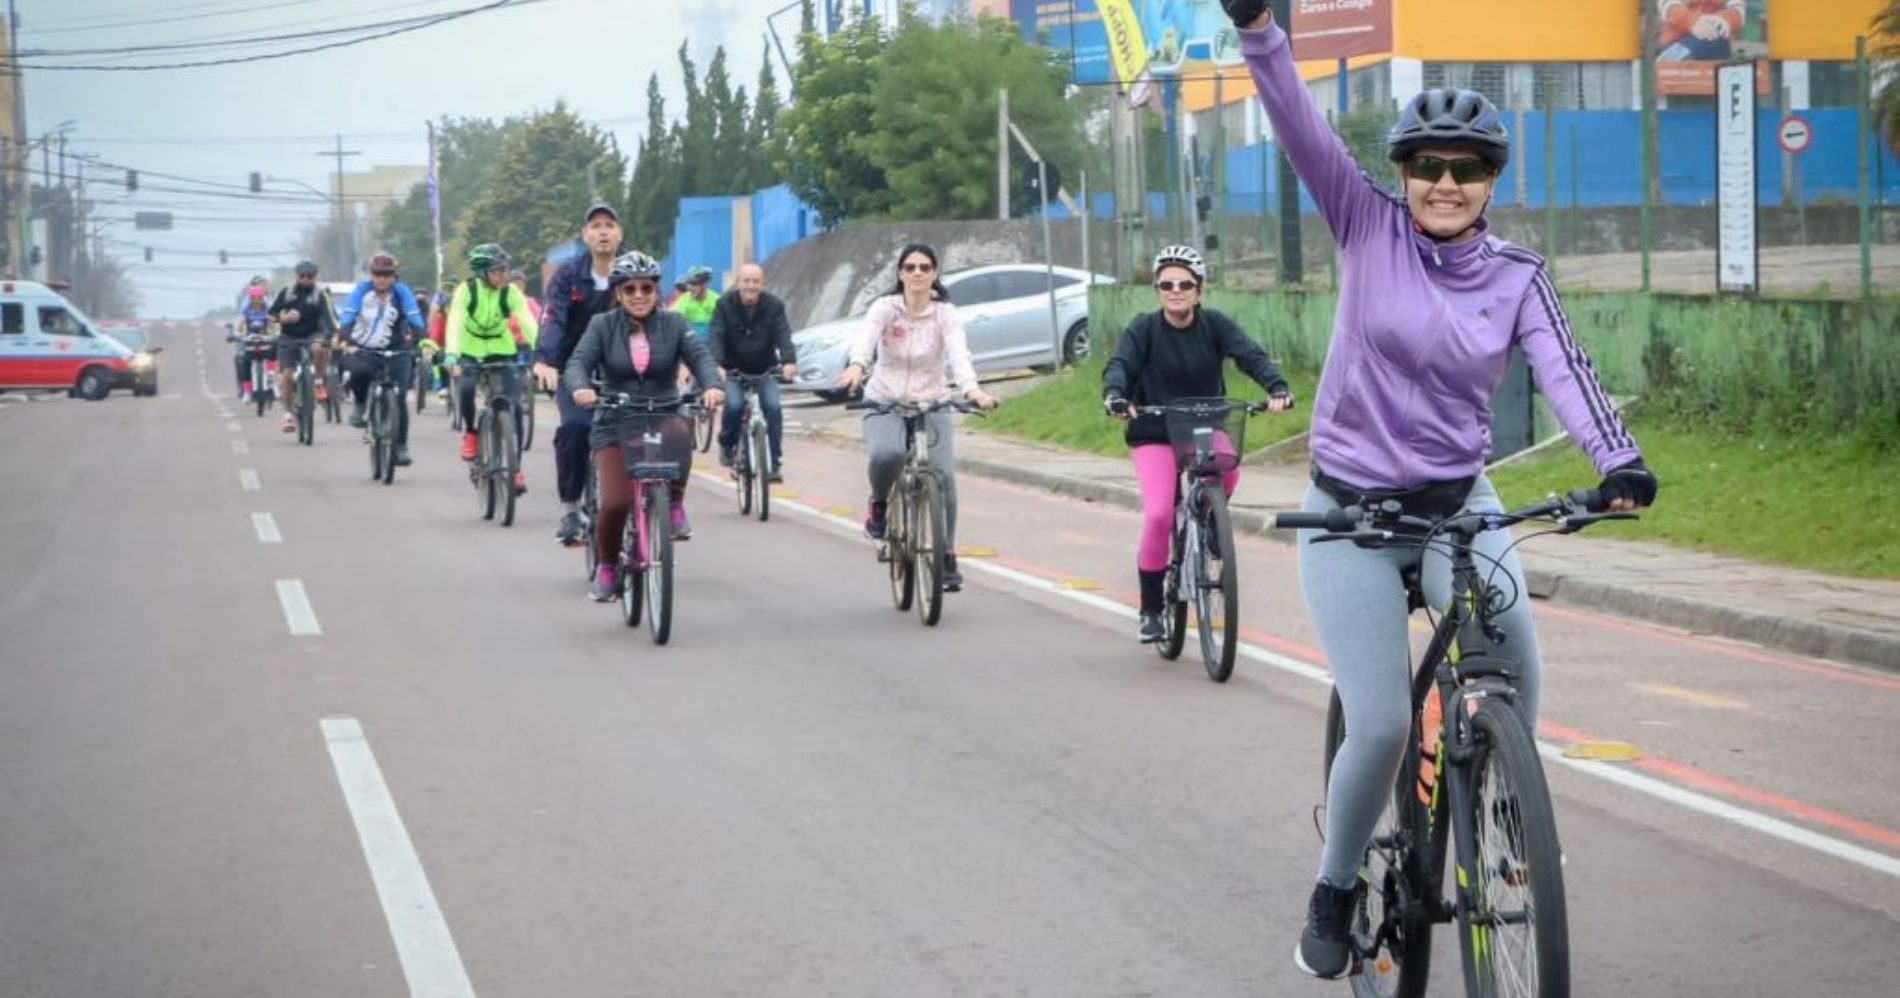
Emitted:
<point x="577" y="292"/>
<point x="750" y="335"/>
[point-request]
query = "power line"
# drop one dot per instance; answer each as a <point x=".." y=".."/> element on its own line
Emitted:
<point x="90" y="22"/>
<point x="250" y="40"/>
<point x="235" y="60"/>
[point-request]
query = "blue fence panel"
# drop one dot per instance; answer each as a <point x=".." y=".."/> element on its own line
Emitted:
<point x="779" y="219"/>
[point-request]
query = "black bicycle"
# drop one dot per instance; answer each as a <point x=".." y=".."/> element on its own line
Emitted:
<point x="656" y="442"/>
<point x="916" y="534"/>
<point x="388" y="417"/>
<point x="530" y="396"/>
<point x="752" y="452"/>
<point x="1469" y="738"/>
<point x="1208" y="436"/>
<point x="259" y="350"/>
<point x="498" y="454"/>
<point x="302" y="402"/>
<point x="330" y="390"/>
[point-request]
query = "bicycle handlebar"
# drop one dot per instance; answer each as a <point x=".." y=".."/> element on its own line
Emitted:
<point x="1377" y="524"/>
<point x="913" y="408"/>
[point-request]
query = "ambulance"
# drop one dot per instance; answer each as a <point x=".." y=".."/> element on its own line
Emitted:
<point x="47" y="344"/>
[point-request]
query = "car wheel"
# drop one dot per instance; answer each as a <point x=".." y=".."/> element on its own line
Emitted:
<point x="1075" y="344"/>
<point x="93" y="385"/>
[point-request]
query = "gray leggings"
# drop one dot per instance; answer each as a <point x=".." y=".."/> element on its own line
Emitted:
<point x="884" y="435"/>
<point x="1357" y="603"/>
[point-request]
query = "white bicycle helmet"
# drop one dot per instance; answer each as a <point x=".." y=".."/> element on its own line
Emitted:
<point x="633" y="265"/>
<point x="1184" y="256"/>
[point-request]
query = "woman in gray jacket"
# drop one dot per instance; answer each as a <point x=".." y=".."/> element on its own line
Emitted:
<point x="636" y="349"/>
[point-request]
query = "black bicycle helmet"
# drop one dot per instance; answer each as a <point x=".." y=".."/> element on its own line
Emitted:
<point x="306" y="268"/>
<point x="1445" y="116"/>
<point x="633" y="265"/>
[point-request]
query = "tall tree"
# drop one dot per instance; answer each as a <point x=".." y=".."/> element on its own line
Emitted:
<point x="827" y="151"/>
<point x="468" y="149"/>
<point x="763" y="143"/>
<point x="933" y="125"/>
<point x="697" y="132"/>
<point x="652" y="201"/>
<point x="541" y="185"/>
<point x="1884" y="50"/>
<point x="727" y="171"/>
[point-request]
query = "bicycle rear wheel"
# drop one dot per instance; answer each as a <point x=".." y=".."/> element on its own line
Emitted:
<point x="632" y="579"/>
<point x="1216" y="592"/>
<point x="1392" y="925"/>
<point x="590" y="508"/>
<point x="761" y="462"/>
<point x="1174" y="609"/>
<point x="897" y="550"/>
<point x="1515" y="934"/>
<point x="927" y="548"/>
<point x="508" y="460"/>
<point x="659" y="569"/>
<point x="260" y="385"/>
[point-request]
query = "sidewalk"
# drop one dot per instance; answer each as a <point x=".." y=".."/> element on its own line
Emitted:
<point x="1847" y="620"/>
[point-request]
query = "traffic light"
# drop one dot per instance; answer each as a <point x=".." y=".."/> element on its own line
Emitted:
<point x="131" y="180"/>
<point x="224" y="258"/>
<point x="257" y="182"/>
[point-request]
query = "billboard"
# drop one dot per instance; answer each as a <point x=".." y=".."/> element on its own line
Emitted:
<point x="1341" y="29"/>
<point x="1172" y="37"/>
<point x="1695" y="36"/>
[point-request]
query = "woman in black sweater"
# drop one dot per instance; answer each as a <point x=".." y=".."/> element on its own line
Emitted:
<point x="1176" y="352"/>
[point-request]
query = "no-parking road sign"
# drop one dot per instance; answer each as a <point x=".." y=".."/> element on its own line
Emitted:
<point x="1795" y="134"/>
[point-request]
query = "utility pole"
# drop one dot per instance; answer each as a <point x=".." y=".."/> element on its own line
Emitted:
<point x="17" y="183"/>
<point x="1002" y="155"/>
<point x="343" y="268"/>
<point x="1292" y="266"/>
<point x="1652" y="160"/>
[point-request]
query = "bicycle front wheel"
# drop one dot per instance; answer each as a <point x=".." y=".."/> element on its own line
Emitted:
<point x="306" y="406"/>
<point x="744" y="470"/>
<point x="481" y="472"/>
<point x="376" y="431"/>
<point x="703" y="424"/>
<point x="1392" y="925"/>
<point x="1515" y="929"/>
<point x="659" y="569"/>
<point x="260" y="385"/>
<point x="507" y="461"/>
<point x="927" y="548"/>
<point x="761" y="462"/>
<point x="632" y="592"/>
<point x="386" y="430"/>
<point x="1216" y="592"/>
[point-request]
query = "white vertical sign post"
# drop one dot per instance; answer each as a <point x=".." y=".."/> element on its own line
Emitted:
<point x="1737" y="165"/>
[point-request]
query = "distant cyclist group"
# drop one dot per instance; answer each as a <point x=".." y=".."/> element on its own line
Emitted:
<point x="1431" y="305"/>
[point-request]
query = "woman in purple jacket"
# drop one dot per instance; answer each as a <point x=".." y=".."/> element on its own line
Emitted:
<point x="1430" y="305"/>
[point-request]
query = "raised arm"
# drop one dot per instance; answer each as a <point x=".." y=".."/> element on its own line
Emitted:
<point x="1345" y="195"/>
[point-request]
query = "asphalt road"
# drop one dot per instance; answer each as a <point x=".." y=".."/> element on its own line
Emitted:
<point x="462" y="777"/>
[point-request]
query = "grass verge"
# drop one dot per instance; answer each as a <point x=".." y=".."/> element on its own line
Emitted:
<point x="1826" y="503"/>
<point x="1067" y="412"/>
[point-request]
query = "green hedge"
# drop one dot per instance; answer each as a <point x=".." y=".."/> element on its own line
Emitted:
<point x="1729" y="363"/>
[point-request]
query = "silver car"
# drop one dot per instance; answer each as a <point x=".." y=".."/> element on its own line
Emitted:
<point x="1005" y="313"/>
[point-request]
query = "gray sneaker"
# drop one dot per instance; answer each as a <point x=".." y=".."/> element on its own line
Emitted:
<point x="1325" y="949"/>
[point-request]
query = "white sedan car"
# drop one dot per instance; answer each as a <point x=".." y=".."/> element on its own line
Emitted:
<point x="1005" y="314"/>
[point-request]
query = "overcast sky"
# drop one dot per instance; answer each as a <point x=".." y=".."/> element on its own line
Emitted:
<point x="278" y="116"/>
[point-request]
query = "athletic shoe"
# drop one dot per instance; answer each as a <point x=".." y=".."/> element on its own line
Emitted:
<point x="776" y="476"/>
<point x="682" y="530"/>
<point x="290" y="423"/>
<point x="521" y="483"/>
<point x="874" y="523"/>
<point x="606" y="585"/>
<point x="1150" y="630"/>
<point x="725" y="456"/>
<point x="357" y="419"/>
<point x="1325" y="948"/>
<point x="469" y="446"/>
<point x="323" y="392"/>
<point x="402" y="456"/>
<point x="571" y="530"/>
<point x="952" y="579"/>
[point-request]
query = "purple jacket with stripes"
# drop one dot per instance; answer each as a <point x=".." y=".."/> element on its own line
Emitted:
<point x="1424" y="330"/>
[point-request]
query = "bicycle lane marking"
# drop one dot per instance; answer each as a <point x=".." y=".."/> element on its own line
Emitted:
<point x="431" y="964"/>
<point x="298" y="613"/>
<point x="1650" y="786"/>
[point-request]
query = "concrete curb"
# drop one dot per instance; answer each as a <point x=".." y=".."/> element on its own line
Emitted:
<point x="1797" y="635"/>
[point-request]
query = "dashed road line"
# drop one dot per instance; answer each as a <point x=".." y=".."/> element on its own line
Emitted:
<point x="266" y="527"/>
<point x="430" y="962"/>
<point x="298" y="612"/>
<point x="1649" y="786"/>
<point x="248" y="480"/>
<point x="240" y="446"/>
<point x="233" y="426"/>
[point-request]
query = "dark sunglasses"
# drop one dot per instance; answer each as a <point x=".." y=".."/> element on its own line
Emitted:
<point x="382" y="273"/>
<point x="1431" y="169"/>
<point x="640" y="288"/>
<point x="918" y="268"/>
<point x="1176" y="285"/>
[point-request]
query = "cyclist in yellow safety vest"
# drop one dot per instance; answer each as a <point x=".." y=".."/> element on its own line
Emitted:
<point x="478" y="330"/>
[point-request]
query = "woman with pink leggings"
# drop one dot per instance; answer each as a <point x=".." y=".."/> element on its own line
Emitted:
<point x="1176" y="352"/>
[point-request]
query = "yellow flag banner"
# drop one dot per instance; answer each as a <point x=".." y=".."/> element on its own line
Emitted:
<point x="1126" y="49"/>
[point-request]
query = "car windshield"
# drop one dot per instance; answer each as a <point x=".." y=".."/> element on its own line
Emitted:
<point x="133" y="339"/>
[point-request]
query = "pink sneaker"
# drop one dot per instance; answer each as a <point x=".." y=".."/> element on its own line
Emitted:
<point x="682" y="530"/>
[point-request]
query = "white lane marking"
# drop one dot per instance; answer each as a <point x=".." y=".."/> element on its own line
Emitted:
<point x="266" y="527"/>
<point x="430" y="962"/>
<point x="1754" y="821"/>
<point x="247" y="479"/>
<point x="233" y="426"/>
<point x="298" y="612"/>
<point x="240" y="446"/>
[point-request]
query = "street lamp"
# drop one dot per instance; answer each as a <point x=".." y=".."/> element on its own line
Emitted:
<point x="342" y="249"/>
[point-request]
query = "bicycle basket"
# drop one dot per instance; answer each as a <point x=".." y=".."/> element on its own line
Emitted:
<point x="1226" y="426"/>
<point x="656" y="445"/>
